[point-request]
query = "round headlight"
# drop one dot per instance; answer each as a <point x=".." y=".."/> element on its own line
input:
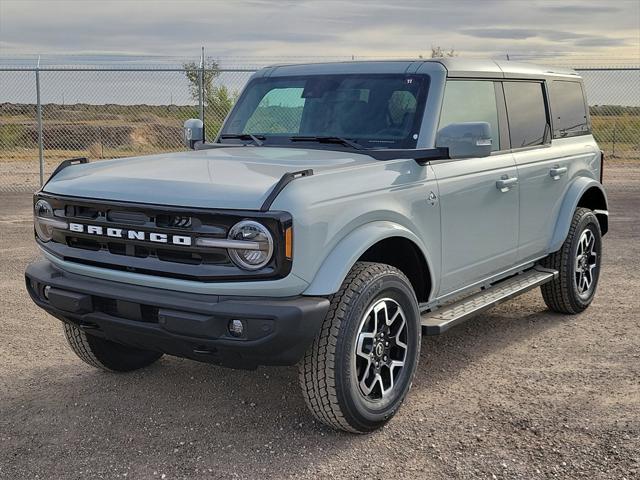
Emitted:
<point x="43" y="212"/>
<point x="261" y="242"/>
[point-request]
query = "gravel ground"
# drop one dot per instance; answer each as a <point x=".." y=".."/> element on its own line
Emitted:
<point x="516" y="393"/>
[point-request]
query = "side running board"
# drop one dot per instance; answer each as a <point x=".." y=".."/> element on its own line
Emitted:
<point x="442" y="319"/>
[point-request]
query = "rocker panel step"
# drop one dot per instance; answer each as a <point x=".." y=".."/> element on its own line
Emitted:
<point x="442" y="319"/>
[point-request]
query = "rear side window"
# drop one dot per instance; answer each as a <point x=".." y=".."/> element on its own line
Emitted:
<point x="568" y="109"/>
<point x="471" y="101"/>
<point x="527" y="114"/>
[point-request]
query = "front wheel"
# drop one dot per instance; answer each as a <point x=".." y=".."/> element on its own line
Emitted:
<point x="107" y="355"/>
<point x="578" y="264"/>
<point x="358" y="370"/>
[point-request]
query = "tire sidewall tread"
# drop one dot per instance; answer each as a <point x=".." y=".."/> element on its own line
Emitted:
<point x="560" y="294"/>
<point x="106" y="355"/>
<point x="325" y="381"/>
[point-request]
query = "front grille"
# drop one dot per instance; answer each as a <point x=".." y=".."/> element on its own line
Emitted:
<point x="84" y="243"/>
<point x="174" y="221"/>
<point x="121" y="251"/>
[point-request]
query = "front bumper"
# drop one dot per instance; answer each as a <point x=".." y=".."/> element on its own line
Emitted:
<point x="277" y="331"/>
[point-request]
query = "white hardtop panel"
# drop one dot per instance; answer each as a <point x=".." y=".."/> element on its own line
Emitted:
<point x="470" y="67"/>
<point x="454" y="66"/>
<point x="351" y="68"/>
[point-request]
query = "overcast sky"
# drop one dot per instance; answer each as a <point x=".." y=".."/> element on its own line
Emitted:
<point x="307" y="28"/>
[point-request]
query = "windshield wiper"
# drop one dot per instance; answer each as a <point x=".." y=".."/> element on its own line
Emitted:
<point x="258" y="140"/>
<point x="339" y="140"/>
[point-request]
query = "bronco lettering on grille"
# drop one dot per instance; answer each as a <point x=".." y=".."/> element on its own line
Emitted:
<point x="130" y="234"/>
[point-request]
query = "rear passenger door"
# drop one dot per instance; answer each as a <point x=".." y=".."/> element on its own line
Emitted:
<point x="542" y="172"/>
<point x="479" y="221"/>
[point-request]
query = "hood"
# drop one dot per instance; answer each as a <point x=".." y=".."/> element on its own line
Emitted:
<point x="228" y="178"/>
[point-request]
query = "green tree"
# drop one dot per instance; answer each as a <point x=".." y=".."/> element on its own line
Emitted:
<point x="218" y="99"/>
<point x="439" y="52"/>
<point x="210" y="73"/>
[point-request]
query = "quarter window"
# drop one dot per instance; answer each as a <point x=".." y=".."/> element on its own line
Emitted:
<point x="526" y="110"/>
<point x="568" y="108"/>
<point x="471" y="101"/>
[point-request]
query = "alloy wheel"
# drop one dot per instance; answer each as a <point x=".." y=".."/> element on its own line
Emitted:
<point x="586" y="263"/>
<point x="381" y="349"/>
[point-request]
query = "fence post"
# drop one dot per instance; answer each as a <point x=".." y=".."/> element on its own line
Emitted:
<point x="201" y="86"/>
<point x="613" y="138"/>
<point x="40" y="137"/>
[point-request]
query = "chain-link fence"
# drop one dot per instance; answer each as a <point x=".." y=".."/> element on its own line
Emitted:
<point x="102" y="113"/>
<point x="614" y="99"/>
<point x="51" y="114"/>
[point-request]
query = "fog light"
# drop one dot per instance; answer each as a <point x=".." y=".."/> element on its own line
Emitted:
<point x="236" y="328"/>
<point x="45" y="291"/>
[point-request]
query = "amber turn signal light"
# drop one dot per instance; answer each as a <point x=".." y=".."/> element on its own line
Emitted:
<point x="288" y="243"/>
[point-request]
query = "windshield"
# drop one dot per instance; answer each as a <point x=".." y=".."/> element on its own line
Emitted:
<point x="373" y="111"/>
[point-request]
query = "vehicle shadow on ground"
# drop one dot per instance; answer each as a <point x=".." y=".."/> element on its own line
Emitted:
<point x="203" y="413"/>
<point x="443" y="356"/>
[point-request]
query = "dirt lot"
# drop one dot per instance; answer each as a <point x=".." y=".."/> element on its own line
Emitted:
<point x="516" y="393"/>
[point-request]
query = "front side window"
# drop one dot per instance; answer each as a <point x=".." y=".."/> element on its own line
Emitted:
<point x="471" y="101"/>
<point x="526" y="111"/>
<point x="568" y="109"/>
<point x="376" y="111"/>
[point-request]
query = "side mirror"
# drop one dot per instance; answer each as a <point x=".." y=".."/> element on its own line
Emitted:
<point x="467" y="139"/>
<point x="193" y="132"/>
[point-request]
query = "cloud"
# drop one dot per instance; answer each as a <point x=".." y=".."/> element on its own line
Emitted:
<point x="508" y="33"/>
<point x="601" y="42"/>
<point x="574" y="38"/>
<point x="316" y="29"/>
<point x="585" y="8"/>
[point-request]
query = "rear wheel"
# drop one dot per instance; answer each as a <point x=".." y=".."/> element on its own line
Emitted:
<point x="101" y="353"/>
<point x="360" y="367"/>
<point x="578" y="263"/>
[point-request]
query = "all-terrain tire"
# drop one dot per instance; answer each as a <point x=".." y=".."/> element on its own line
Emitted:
<point x="329" y="374"/>
<point x="563" y="294"/>
<point x="107" y="355"/>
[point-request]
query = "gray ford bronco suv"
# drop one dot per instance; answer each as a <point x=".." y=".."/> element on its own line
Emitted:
<point x="343" y="210"/>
